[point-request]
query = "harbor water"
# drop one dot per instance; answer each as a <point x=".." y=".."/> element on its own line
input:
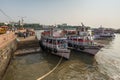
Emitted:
<point x="105" y="65"/>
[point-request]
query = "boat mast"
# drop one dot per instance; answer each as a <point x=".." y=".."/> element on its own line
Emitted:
<point x="51" y="32"/>
<point x="84" y="30"/>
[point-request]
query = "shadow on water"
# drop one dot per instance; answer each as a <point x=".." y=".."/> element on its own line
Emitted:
<point x="30" y="67"/>
<point x="83" y="57"/>
<point x="51" y="58"/>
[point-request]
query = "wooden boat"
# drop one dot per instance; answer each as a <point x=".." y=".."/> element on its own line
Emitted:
<point x="83" y="41"/>
<point x="55" y="43"/>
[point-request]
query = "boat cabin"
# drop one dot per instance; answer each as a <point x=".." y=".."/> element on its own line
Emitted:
<point x="56" y="43"/>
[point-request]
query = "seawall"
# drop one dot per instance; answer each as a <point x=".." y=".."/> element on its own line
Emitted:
<point x="27" y="45"/>
<point x="8" y="45"/>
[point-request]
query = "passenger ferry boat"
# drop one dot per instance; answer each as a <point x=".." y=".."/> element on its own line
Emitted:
<point x="83" y="41"/>
<point x="101" y="33"/>
<point x="54" y="42"/>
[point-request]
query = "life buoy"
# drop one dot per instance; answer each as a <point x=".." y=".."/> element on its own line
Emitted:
<point x="49" y="50"/>
<point x="55" y="50"/>
<point x="75" y="46"/>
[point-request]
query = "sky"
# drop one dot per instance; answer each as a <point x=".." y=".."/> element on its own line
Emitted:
<point x="91" y="12"/>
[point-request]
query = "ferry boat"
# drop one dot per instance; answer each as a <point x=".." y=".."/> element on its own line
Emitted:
<point x="101" y="33"/>
<point x="83" y="41"/>
<point x="54" y="42"/>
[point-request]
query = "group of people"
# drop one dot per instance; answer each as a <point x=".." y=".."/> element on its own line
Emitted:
<point x="28" y="33"/>
<point x="25" y="33"/>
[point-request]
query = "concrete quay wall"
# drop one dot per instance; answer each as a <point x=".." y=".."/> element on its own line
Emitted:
<point x="8" y="45"/>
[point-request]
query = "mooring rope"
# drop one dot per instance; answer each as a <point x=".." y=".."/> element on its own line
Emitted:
<point x="45" y="75"/>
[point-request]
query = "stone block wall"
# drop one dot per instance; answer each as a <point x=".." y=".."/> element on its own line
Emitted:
<point x="7" y="48"/>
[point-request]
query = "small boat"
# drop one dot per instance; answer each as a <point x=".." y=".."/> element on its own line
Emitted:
<point x="83" y="41"/>
<point x="55" y="43"/>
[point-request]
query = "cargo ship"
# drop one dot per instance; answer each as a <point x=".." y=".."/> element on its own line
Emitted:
<point x="83" y="41"/>
<point x="55" y="42"/>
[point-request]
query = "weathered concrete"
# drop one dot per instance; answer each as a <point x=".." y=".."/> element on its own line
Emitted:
<point x="27" y="45"/>
<point x="23" y="46"/>
<point x="6" y="38"/>
<point x="6" y="52"/>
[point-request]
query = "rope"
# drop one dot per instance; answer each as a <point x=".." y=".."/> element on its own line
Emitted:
<point x="45" y="75"/>
<point x="5" y="14"/>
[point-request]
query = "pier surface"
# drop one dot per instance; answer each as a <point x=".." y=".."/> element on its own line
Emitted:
<point x="27" y="45"/>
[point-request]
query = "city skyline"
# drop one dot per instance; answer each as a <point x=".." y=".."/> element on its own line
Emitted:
<point x="91" y="12"/>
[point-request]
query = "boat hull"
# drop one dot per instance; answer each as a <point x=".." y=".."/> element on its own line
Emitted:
<point x="86" y="49"/>
<point x="103" y="36"/>
<point x="59" y="52"/>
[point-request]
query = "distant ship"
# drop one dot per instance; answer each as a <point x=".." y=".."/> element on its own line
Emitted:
<point x="83" y="41"/>
<point x="53" y="41"/>
<point x="100" y="33"/>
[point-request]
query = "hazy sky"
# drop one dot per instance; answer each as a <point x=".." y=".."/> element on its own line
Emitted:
<point x="91" y="12"/>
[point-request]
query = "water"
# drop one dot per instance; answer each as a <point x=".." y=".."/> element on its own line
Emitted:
<point x="109" y="58"/>
<point x="104" y="66"/>
<point x="30" y="67"/>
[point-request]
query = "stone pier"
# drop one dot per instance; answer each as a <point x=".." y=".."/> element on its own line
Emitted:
<point x="27" y="45"/>
<point x="8" y="45"/>
<point x="11" y="46"/>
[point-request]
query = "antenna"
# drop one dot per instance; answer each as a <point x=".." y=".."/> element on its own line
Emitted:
<point x="82" y="24"/>
<point x="21" y="21"/>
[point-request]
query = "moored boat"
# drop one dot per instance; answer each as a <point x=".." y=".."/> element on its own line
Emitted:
<point x="102" y="33"/>
<point x="83" y="41"/>
<point x="55" y="43"/>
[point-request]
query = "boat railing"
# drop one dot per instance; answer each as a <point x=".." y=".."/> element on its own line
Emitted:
<point x="63" y="46"/>
<point x="55" y="46"/>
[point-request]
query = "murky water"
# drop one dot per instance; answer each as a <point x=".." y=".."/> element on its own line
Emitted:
<point x="104" y="66"/>
<point x="30" y="67"/>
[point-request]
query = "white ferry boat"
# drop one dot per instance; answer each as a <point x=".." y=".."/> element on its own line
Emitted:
<point x="83" y="41"/>
<point x="101" y="33"/>
<point x="54" y="42"/>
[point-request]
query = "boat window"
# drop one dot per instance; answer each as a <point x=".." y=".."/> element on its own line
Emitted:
<point x="61" y="42"/>
<point x="75" y="39"/>
<point x="50" y="41"/>
<point x="54" y="42"/>
<point x="58" y="41"/>
<point x="46" y="40"/>
<point x="80" y="40"/>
